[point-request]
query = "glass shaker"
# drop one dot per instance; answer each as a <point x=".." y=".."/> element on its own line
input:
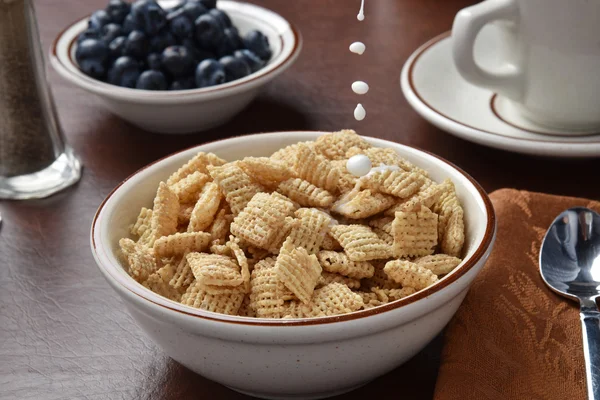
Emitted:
<point x="35" y="160"/>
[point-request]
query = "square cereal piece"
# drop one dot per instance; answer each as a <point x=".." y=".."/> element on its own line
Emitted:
<point x="141" y="260"/>
<point x="266" y="171"/>
<point x="236" y="184"/>
<point x="282" y="234"/>
<point x="241" y="259"/>
<point x="214" y="269"/>
<point x="328" y="277"/>
<point x="309" y="230"/>
<point x="383" y="223"/>
<point x="335" y="145"/>
<point x="287" y="155"/>
<point x="332" y="299"/>
<point x="398" y="183"/>
<point x="305" y="193"/>
<point x="410" y="274"/>
<point x="206" y="207"/>
<point x="329" y="243"/>
<point x="454" y="234"/>
<point x="316" y="169"/>
<point x="379" y="156"/>
<point x="179" y="243"/>
<point x="188" y="188"/>
<point x="427" y="196"/>
<point x="219" y="230"/>
<point x="198" y="163"/>
<point x="415" y="233"/>
<point x="336" y="262"/>
<point x="185" y="212"/>
<point x="164" y="214"/>
<point x="227" y="303"/>
<point x="142" y="224"/>
<point x="183" y="275"/>
<point x="262" y="219"/>
<point x="439" y="264"/>
<point x="360" y="243"/>
<point x="298" y="270"/>
<point x="358" y="204"/>
<point x="266" y="290"/>
<point x="158" y="282"/>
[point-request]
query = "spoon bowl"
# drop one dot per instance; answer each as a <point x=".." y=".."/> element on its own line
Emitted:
<point x="570" y="266"/>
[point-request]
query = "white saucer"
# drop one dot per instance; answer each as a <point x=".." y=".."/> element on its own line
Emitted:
<point x="434" y="88"/>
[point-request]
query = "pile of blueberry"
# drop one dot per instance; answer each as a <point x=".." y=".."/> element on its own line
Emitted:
<point x="143" y="46"/>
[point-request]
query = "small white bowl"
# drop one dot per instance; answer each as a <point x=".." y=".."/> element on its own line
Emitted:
<point x="298" y="358"/>
<point x="194" y="110"/>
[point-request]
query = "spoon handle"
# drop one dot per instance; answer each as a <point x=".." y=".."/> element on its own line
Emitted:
<point x="590" y="324"/>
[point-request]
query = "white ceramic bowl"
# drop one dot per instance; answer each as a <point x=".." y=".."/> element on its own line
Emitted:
<point x="185" y="111"/>
<point x="301" y="358"/>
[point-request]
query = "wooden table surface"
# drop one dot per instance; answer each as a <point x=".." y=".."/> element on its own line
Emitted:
<point x="64" y="334"/>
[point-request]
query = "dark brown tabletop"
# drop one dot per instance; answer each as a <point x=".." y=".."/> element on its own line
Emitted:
<point x="64" y="334"/>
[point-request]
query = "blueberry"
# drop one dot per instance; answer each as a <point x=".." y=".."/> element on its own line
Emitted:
<point x="193" y="10"/>
<point x="92" y="49"/>
<point x="98" y="19"/>
<point x="154" y="61"/>
<point x="152" y="80"/>
<point x="253" y="61"/>
<point x="197" y="54"/>
<point x="117" y="46"/>
<point x="177" y="61"/>
<point x="93" y="68"/>
<point x="208" y="3"/>
<point x="118" y="10"/>
<point x="235" y="68"/>
<point x="221" y="17"/>
<point x="149" y="15"/>
<point x="209" y="73"/>
<point x="136" y="45"/>
<point x="162" y="40"/>
<point x="180" y="24"/>
<point x="230" y="42"/>
<point x="124" y="72"/>
<point x="110" y="32"/>
<point x="89" y="34"/>
<point x="129" y="25"/>
<point x="208" y="31"/>
<point x="258" y="43"/>
<point x="183" y="83"/>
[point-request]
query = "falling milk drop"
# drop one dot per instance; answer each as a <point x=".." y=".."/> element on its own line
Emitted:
<point x="358" y="48"/>
<point x="360" y="87"/>
<point x="359" y="112"/>
<point x="361" y="13"/>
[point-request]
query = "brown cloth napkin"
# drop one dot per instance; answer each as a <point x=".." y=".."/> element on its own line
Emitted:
<point x="513" y="338"/>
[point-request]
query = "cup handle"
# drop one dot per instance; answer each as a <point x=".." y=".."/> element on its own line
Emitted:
<point x="467" y="25"/>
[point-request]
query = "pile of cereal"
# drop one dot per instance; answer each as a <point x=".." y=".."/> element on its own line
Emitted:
<point x="296" y="235"/>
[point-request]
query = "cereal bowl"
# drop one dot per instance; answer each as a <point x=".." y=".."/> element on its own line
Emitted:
<point x="290" y="358"/>
<point x="184" y="111"/>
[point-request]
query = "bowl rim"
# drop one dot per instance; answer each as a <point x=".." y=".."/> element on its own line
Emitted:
<point x="151" y="96"/>
<point x="462" y="270"/>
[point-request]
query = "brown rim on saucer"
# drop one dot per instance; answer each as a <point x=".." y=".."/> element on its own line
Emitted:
<point x="469" y="263"/>
<point x="189" y="92"/>
<point x="419" y="52"/>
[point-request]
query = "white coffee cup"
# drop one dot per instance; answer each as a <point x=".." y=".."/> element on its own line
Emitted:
<point x="551" y="58"/>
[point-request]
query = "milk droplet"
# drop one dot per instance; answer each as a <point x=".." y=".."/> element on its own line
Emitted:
<point x="358" y="48"/>
<point x="359" y="112"/>
<point x="361" y="13"/>
<point x="359" y="165"/>
<point x="360" y="87"/>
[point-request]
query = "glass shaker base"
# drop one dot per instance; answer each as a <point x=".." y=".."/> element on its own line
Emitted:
<point x="63" y="172"/>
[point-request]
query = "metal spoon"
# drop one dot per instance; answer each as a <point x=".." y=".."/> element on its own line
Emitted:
<point x="570" y="266"/>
